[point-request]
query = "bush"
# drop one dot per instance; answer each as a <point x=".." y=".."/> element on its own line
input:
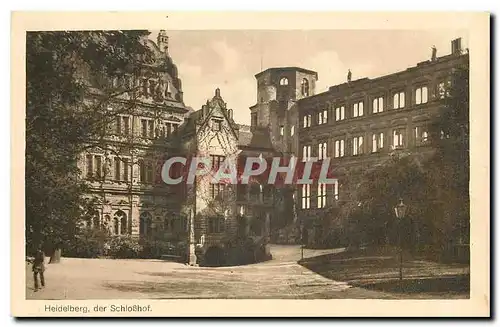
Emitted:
<point x="125" y="247"/>
<point x="157" y="248"/>
<point x="88" y="244"/>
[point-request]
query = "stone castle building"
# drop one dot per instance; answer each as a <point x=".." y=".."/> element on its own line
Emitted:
<point x="355" y="123"/>
<point x="124" y="167"/>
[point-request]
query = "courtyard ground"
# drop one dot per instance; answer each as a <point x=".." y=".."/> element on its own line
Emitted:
<point x="280" y="278"/>
<point x="378" y="269"/>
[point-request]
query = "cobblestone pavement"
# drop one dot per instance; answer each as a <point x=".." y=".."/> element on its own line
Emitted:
<point x="279" y="278"/>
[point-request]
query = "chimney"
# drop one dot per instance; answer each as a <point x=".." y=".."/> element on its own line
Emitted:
<point x="162" y="41"/>
<point x="456" y="46"/>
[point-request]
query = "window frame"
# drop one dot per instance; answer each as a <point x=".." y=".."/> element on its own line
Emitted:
<point x="398" y="95"/>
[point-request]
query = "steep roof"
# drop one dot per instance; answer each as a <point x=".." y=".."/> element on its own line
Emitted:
<point x="258" y="137"/>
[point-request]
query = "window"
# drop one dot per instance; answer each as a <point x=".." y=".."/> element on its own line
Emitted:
<point x="282" y="130"/>
<point x="149" y="172"/>
<point x="307" y="121"/>
<point x="126" y="125"/>
<point x="306" y="152"/>
<point x="339" y="148"/>
<point x="284" y="81"/>
<point x="144" y="127"/>
<point x="118" y="125"/>
<point x="121" y="217"/>
<point x="322" y="148"/>
<point x="151" y="125"/>
<point x="292" y="130"/>
<point x="357" y="109"/>
<point x="216" y="224"/>
<point x="122" y="125"/>
<point x="117" y="169"/>
<point x="443" y="89"/>
<point x="336" y="190"/>
<point x="90" y="165"/>
<point x="339" y="113"/>
<point x="217" y="162"/>
<point x="216" y="190"/>
<point x="399" y="100"/>
<point x="321" y="195"/>
<point x="444" y="135"/>
<point x="305" y="87"/>
<point x="357" y="145"/>
<point x="145" y="224"/>
<point x="145" y="88"/>
<point x="377" y="141"/>
<point x="323" y="117"/>
<point x="152" y="87"/>
<point x="378" y="105"/>
<point x="421" y="95"/>
<point x="216" y="124"/>
<point x="421" y="136"/>
<point x="98" y="166"/>
<point x="125" y="169"/>
<point x="147" y="128"/>
<point x="306" y="196"/>
<point x="146" y="171"/>
<point x="169" y="128"/>
<point x="254" y="119"/>
<point x="398" y="138"/>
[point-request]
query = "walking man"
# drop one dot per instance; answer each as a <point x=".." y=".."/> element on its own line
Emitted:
<point x="39" y="268"/>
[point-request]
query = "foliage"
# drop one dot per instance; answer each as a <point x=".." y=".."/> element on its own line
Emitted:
<point x="90" y="243"/>
<point x="157" y="248"/>
<point x="450" y="167"/>
<point x="125" y="247"/>
<point x="63" y="68"/>
<point x="435" y="188"/>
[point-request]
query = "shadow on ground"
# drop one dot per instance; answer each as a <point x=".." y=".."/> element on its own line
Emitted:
<point x="459" y="284"/>
<point x="379" y="270"/>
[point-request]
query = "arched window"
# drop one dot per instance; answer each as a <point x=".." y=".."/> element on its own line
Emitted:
<point x="116" y="229"/>
<point x="284" y="81"/>
<point x="305" y="87"/>
<point x="122" y="218"/>
<point x="145" y="221"/>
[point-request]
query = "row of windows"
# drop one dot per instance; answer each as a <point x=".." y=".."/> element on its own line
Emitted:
<point x="321" y="195"/>
<point x="421" y="137"/>
<point x="357" y="108"/>
<point x="149" y="128"/>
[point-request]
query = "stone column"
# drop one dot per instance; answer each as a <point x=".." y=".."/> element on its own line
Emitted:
<point x="192" y="240"/>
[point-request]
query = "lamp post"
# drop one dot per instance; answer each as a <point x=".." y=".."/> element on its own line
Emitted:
<point x="400" y="211"/>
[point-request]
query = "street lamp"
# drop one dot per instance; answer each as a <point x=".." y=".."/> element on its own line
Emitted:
<point x="400" y="211"/>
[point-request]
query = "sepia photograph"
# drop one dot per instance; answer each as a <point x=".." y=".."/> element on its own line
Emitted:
<point x="165" y="163"/>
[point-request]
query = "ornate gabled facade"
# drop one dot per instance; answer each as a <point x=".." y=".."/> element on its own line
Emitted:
<point x="151" y="124"/>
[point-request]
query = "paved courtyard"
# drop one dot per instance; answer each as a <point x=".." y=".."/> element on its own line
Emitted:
<point x="279" y="278"/>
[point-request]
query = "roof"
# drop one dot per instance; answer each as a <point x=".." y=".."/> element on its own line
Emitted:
<point x="303" y="70"/>
<point x="258" y="137"/>
<point x="369" y="82"/>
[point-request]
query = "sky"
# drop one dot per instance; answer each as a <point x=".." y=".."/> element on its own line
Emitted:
<point x="229" y="59"/>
